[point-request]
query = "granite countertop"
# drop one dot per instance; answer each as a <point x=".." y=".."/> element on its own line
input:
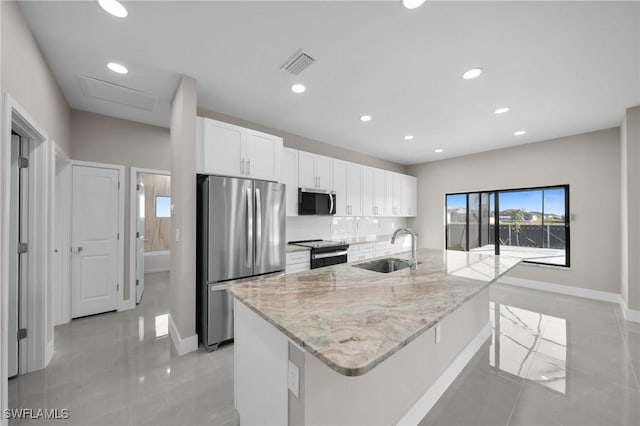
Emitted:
<point x="352" y="319"/>
<point x="292" y="249"/>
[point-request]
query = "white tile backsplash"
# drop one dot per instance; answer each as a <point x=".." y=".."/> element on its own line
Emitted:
<point x="332" y="228"/>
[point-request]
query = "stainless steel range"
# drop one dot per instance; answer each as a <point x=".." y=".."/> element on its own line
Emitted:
<point x="325" y="253"/>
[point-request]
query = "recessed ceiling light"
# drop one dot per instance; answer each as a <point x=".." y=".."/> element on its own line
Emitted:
<point x="439" y="150"/>
<point x="120" y="69"/>
<point x="502" y="110"/>
<point x="298" y="88"/>
<point x="114" y="7"/>
<point x="408" y="138"/>
<point x="519" y="133"/>
<point x="412" y="4"/>
<point x="365" y="118"/>
<point x="472" y="73"/>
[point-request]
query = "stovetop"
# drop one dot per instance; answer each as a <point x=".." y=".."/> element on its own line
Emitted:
<point x="318" y="244"/>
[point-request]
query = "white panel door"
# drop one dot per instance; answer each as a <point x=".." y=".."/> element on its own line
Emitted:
<point x="262" y="154"/>
<point x="222" y="149"/>
<point x="340" y="186"/>
<point x="140" y="219"/>
<point x="290" y="179"/>
<point x="94" y="240"/>
<point x="367" y="192"/>
<point x="324" y="172"/>
<point x="354" y="189"/>
<point x="306" y="170"/>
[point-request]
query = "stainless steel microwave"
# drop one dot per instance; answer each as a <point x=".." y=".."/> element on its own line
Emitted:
<point x="316" y="202"/>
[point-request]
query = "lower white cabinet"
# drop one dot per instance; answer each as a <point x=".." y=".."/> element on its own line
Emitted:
<point x="298" y="261"/>
<point x="359" y="252"/>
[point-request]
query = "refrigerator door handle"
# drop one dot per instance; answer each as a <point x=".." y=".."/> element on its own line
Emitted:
<point x="258" y="226"/>
<point x="249" y="225"/>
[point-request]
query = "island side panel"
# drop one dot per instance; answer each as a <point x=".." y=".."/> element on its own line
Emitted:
<point x="389" y="390"/>
<point x="261" y="362"/>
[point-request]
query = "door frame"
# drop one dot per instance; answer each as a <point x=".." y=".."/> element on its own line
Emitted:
<point x="133" y="208"/>
<point x="122" y="304"/>
<point x="39" y="351"/>
<point x="61" y="222"/>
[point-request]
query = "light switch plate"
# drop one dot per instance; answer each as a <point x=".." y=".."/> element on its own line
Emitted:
<point x="293" y="379"/>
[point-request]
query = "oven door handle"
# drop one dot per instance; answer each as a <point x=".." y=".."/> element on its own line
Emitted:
<point x="332" y="254"/>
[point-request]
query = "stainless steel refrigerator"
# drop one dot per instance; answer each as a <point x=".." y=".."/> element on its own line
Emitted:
<point x="241" y="237"/>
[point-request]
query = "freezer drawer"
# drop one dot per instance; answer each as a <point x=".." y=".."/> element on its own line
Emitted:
<point x="219" y="315"/>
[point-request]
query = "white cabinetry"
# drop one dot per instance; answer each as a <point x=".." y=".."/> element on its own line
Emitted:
<point x="360" y="252"/>
<point x="404" y="198"/>
<point x="368" y="192"/>
<point x="298" y="261"/>
<point x="290" y="179"/>
<point x="315" y="171"/>
<point x="379" y="192"/>
<point x="226" y="149"/>
<point x="347" y="184"/>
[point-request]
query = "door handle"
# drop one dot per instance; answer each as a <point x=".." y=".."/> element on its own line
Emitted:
<point x="77" y="250"/>
<point x="241" y="167"/>
<point x="331" y="204"/>
<point x="249" y="226"/>
<point x="248" y="167"/>
<point x="258" y="226"/>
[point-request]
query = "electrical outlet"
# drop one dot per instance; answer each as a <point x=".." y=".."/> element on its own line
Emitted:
<point x="293" y="379"/>
<point x="438" y="334"/>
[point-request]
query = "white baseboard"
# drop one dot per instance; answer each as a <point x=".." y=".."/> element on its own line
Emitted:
<point x="604" y="296"/>
<point x="157" y="261"/>
<point x="416" y="413"/>
<point x="48" y="352"/>
<point x="183" y="346"/>
<point x="629" y="314"/>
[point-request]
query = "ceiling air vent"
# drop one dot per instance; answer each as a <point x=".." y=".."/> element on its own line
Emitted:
<point x="298" y="63"/>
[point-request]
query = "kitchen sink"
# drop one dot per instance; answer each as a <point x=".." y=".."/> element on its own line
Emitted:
<point x="384" y="266"/>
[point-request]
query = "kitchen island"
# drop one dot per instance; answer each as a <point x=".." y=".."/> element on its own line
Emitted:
<point x="355" y="346"/>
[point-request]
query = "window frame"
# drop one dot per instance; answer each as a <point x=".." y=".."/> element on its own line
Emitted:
<point x="496" y="214"/>
<point x="155" y="207"/>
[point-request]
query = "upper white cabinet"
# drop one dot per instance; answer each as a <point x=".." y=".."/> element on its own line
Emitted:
<point x="368" y="192"/>
<point x="290" y="179"/>
<point x="226" y="149"/>
<point x="404" y="197"/>
<point x="315" y="171"/>
<point x="347" y="184"/>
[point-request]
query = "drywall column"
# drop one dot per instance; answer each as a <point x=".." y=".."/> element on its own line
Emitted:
<point x="630" y="211"/>
<point x="182" y="324"/>
<point x="3" y="378"/>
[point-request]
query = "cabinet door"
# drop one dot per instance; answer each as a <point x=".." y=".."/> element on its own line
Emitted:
<point x="398" y="194"/>
<point x="379" y="189"/>
<point x="306" y="170"/>
<point x="368" y="192"/>
<point x="290" y="179"/>
<point x="222" y="149"/>
<point x="388" y="194"/>
<point x="354" y="189"/>
<point x="340" y="186"/>
<point x="324" y="172"/>
<point x="263" y="155"/>
<point x="412" y="196"/>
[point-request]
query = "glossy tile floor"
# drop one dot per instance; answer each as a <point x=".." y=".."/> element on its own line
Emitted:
<point x="553" y="360"/>
<point x="121" y="368"/>
<point x="556" y="360"/>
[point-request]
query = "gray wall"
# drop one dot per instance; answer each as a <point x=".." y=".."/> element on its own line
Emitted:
<point x="25" y="76"/>
<point x="589" y="163"/>
<point x="103" y="139"/>
<point x="183" y="190"/>
<point x="304" y="144"/>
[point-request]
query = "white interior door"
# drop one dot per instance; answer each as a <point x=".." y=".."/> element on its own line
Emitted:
<point x="140" y="238"/>
<point x="94" y="240"/>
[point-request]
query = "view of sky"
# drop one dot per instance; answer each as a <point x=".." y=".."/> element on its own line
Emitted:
<point x="530" y="201"/>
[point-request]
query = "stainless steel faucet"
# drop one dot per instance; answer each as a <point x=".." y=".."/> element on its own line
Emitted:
<point x="413" y="262"/>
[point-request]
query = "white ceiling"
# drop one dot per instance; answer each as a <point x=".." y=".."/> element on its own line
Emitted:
<point x="562" y="67"/>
